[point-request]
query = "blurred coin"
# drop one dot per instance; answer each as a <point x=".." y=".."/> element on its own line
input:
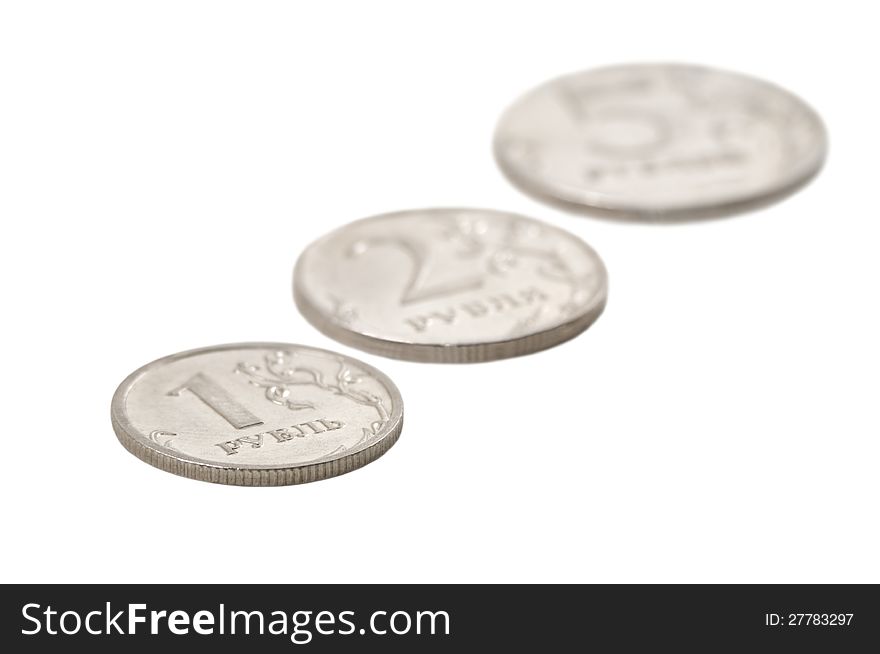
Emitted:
<point x="450" y="285"/>
<point x="662" y="141"/>
<point x="257" y="414"/>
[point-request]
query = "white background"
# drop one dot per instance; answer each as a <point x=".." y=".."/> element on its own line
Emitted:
<point x="162" y="164"/>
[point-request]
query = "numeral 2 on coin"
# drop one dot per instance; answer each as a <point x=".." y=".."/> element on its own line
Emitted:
<point x="419" y="287"/>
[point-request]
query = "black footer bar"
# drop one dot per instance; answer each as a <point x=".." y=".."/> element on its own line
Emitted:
<point x="429" y="618"/>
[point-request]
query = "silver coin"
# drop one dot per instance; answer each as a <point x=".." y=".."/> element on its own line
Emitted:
<point x="659" y="141"/>
<point x="257" y="414"/>
<point x="450" y="285"/>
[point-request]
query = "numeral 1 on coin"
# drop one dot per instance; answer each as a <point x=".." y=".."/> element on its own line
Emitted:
<point x="209" y="392"/>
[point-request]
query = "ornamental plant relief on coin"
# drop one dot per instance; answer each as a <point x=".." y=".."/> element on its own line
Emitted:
<point x="450" y="285"/>
<point x="257" y="414"/>
<point x="659" y="140"/>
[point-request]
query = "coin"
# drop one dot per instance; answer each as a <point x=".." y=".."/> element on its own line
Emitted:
<point x="450" y="285"/>
<point x="661" y="141"/>
<point x="257" y="414"/>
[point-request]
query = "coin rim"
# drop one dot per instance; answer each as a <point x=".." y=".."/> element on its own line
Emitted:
<point x="600" y="204"/>
<point x="249" y="474"/>
<point x="476" y="352"/>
